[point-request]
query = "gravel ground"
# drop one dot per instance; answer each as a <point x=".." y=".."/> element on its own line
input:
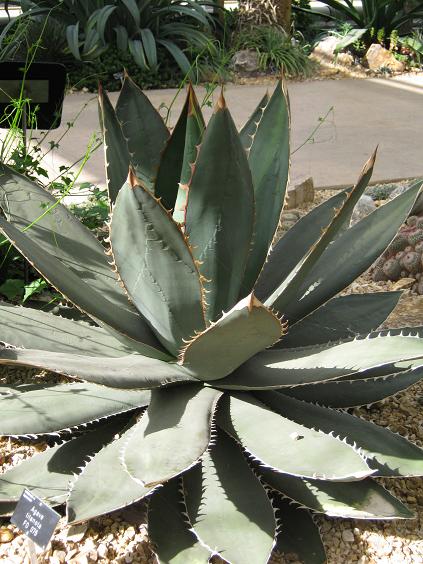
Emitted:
<point x="120" y="538"/>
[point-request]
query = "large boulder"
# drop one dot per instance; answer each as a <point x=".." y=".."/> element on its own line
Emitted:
<point x="246" y="60"/>
<point x="325" y="49"/>
<point x="377" y="57"/>
<point x="324" y="52"/>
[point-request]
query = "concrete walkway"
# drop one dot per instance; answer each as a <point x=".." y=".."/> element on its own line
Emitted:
<point x="366" y="113"/>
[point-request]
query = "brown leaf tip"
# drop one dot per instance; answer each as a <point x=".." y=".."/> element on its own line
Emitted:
<point x="132" y="178"/>
<point x="221" y="103"/>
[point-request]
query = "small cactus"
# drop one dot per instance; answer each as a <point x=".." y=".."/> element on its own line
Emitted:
<point x="379" y="275"/>
<point x="415" y="237"/>
<point x="404" y="256"/>
<point x="411" y="262"/>
<point x="412" y="221"/>
<point x="398" y="244"/>
<point x="392" y="269"/>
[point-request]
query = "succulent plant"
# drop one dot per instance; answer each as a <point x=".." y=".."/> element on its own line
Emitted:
<point x="403" y="257"/>
<point x="219" y="419"/>
<point x="411" y="262"/>
<point x="392" y="269"/>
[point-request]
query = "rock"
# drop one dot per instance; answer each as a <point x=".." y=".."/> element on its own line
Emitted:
<point x="403" y="284"/>
<point x="325" y="49"/>
<point x="377" y="57"/>
<point x="60" y="555"/>
<point x="246" y="60"/>
<point x="348" y="536"/>
<point x="300" y="191"/>
<point x="288" y="216"/>
<point x="76" y="532"/>
<point x="6" y="535"/>
<point x="365" y="205"/>
<point x="79" y="558"/>
<point x="344" y="59"/>
<point x="102" y="550"/>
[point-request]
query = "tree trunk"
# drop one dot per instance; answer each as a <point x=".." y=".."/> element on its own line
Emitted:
<point x="283" y="14"/>
<point x="266" y="12"/>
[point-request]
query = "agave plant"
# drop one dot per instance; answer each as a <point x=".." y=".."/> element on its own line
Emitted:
<point x="219" y="389"/>
<point x="370" y="18"/>
<point x="144" y="28"/>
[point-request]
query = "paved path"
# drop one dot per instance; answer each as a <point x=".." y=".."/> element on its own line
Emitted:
<point x="365" y="113"/>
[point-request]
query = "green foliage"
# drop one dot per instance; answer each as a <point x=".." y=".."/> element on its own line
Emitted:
<point x="24" y="152"/>
<point x="301" y="20"/>
<point x="94" y="212"/>
<point x="143" y="28"/>
<point x="108" y="69"/>
<point x="276" y="49"/>
<point x="380" y="18"/>
<point x="413" y="46"/>
<point x="170" y="390"/>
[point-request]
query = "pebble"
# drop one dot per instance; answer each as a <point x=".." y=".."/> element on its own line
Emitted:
<point x="348" y="536"/>
<point x="76" y="532"/>
<point x="102" y="551"/>
<point x="6" y="535"/>
<point x="60" y="555"/>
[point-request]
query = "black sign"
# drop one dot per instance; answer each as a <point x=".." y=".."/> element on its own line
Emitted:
<point x="36" y="519"/>
<point x="43" y="84"/>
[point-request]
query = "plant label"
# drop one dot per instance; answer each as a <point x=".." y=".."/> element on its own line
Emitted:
<point x="35" y="519"/>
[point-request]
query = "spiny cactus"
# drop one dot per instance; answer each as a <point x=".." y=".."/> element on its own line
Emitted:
<point x="219" y="419"/>
<point x="392" y="268"/>
<point x="403" y="257"/>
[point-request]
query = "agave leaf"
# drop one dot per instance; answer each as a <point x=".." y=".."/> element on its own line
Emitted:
<point x="103" y="485"/>
<point x="172" y="434"/>
<point x="163" y="280"/>
<point x="388" y="453"/>
<point x="250" y="128"/>
<point x="269" y="160"/>
<point x="168" y="529"/>
<point x="319" y="363"/>
<point x="59" y="232"/>
<point x="298" y="533"/>
<point x="47" y="475"/>
<point x="220" y="211"/>
<point x="287" y="292"/>
<point x="341" y="318"/>
<point x="351" y="393"/>
<point x="238" y="527"/>
<point x="126" y="372"/>
<point x="351" y="254"/>
<point x="295" y="244"/>
<point x="245" y="330"/>
<point x="178" y="156"/>
<point x="32" y="328"/>
<point x="49" y="409"/>
<point x="289" y="447"/>
<point x="365" y="499"/>
<point x="121" y="322"/>
<point x="116" y="152"/>
<point x="143" y="129"/>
